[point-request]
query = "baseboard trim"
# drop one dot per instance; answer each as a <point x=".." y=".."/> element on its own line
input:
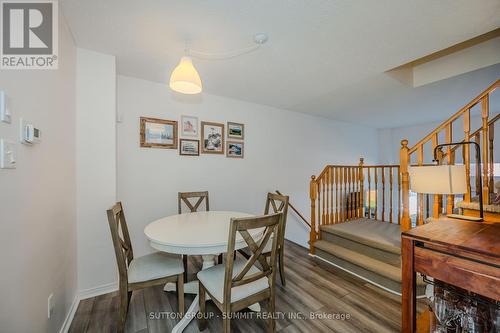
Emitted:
<point x="69" y="317"/>
<point x="96" y="291"/>
<point x="361" y="277"/>
<point x="84" y="294"/>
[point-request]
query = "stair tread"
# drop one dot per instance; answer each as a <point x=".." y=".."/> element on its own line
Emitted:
<point x="378" y="234"/>
<point x="369" y="263"/>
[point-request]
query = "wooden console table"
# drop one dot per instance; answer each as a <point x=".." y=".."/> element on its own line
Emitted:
<point x="461" y="253"/>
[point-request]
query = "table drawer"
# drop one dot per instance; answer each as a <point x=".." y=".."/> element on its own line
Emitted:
<point x="472" y="275"/>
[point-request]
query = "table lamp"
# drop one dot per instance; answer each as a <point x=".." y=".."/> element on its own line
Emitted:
<point x="445" y="179"/>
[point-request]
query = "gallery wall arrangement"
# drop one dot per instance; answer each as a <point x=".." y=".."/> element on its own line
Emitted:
<point x="196" y="137"/>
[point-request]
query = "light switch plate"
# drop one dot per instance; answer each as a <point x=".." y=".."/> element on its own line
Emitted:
<point x="5" y="115"/>
<point x="7" y="154"/>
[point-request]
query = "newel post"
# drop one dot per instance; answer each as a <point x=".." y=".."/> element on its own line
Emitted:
<point x="361" y="203"/>
<point x="404" y="161"/>
<point x="312" y="193"/>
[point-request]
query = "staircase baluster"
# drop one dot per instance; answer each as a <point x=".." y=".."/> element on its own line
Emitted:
<point x="391" y="171"/>
<point x="437" y="198"/>
<point x="332" y="212"/>
<point x="383" y="193"/>
<point x="484" y="148"/>
<point x="449" y="155"/>
<point x="369" y="193"/>
<point x="420" y="196"/>
<point x="466" y="154"/>
<point x="376" y="192"/>
<point x="491" y="136"/>
<point x="312" y="196"/>
<point x="399" y="195"/>
<point x="361" y="188"/>
<point x="337" y="207"/>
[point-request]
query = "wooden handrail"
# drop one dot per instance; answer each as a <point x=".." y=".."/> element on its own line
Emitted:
<point x="296" y="211"/>
<point x="457" y="115"/>
<point x="338" y="195"/>
<point x="478" y="131"/>
<point x="483" y="136"/>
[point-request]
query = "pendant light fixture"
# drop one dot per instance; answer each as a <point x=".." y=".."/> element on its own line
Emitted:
<point x="185" y="78"/>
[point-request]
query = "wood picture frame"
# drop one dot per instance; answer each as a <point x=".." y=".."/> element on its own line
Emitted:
<point x="189" y="147"/>
<point x="158" y="133"/>
<point x="235" y="149"/>
<point x="235" y="130"/>
<point x="212" y="138"/>
<point x="190" y="126"/>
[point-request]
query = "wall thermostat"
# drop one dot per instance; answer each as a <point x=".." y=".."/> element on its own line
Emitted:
<point x="29" y="133"/>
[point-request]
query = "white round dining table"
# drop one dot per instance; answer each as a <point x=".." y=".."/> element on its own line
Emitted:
<point x="199" y="233"/>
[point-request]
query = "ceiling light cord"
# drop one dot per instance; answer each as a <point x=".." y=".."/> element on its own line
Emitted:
<point x="259" y="40"/>
<point x="222" y="56"/>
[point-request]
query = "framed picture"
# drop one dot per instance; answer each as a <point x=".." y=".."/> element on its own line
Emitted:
<point x="189" y="126"/>
<point x="189" y="147"/>
<point x="234" y="149"/>
<point x="158" y="133"/>
<point x="235" y="130"/>
<point x="212" y="138"/>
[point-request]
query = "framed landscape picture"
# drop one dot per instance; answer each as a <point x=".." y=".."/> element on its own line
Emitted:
<point x="189" y="147"/>
<point x="189" y="126"/>
<point x="212" y="138"/>
<point x="158" y="133"/>
<point x="234" y="149"/>
<point x="235" y="130"/>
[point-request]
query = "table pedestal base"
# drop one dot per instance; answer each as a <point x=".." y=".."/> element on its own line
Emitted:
<point x="193" y="288"/>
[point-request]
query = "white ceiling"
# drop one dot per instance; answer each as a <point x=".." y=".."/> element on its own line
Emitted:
<point x="321" y="57"/>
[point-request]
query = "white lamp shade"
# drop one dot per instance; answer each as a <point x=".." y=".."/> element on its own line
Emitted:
<point x="438" y="179"/>
<point x="185" y="79"/>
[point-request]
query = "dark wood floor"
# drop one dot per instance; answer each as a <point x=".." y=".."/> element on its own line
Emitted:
<point x="314" y="288"/>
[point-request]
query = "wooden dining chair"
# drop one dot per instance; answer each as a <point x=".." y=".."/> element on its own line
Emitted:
<point x="275" y="203"/>
<point x="185" y="197"/>
<point x="137" y="273"/>
<point x="239" y="283"/>
<point x="278" y="204"/>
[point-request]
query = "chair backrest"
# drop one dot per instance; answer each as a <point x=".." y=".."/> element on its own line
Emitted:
<point x="278" y="204"/>
<point x="185" y="196"/>
<point x="121" y="238"/>
<point x="271" y="224"/>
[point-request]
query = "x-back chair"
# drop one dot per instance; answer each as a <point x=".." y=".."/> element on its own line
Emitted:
<point x="141" y="272"/>
<point x="239" y="283"/>
<point x="276" y="203"/>
<point x="184" y="197"/>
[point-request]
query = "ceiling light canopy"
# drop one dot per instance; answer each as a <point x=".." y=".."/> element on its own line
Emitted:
<point x="185" y="78"/>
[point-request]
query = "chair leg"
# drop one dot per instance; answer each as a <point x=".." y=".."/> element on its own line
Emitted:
<point x="271" y="324"/>
<point x="226" y="322"/>
<point x="185" y="263"/>
<point x="202" y="321"/>
<point x="281" y="258"/>
<point x="123" y="308"/>
<point x="180" y="293"/>
<point x="220" y="259"/>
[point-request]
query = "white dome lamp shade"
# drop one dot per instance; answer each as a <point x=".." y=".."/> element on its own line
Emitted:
<point x="185" y="78"/>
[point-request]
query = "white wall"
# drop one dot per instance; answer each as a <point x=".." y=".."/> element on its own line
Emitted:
<point x="96" y="166"/>
<point x="37" y="200"/>
<point x="282" y="150"/>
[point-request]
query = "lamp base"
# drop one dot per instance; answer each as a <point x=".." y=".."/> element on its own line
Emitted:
<point x="463" y="217"/>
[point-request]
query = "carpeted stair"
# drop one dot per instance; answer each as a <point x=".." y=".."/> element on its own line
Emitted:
<point x="368" y="248"/>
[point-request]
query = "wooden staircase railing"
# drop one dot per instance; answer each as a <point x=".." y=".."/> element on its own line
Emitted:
<point x="484" y="136"/>
<point x="346" y="192"/>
